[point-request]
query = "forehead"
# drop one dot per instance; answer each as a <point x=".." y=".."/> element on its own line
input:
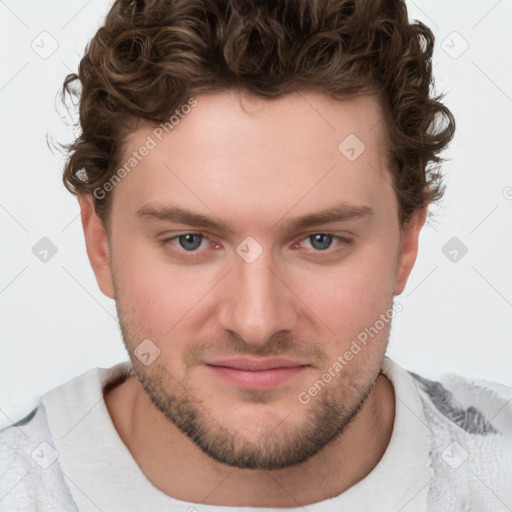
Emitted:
<point x="278" y="124"/>
<point x="305" y="147"/>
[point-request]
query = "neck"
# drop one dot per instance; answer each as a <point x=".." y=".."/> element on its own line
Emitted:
<point x="178" y="468"/>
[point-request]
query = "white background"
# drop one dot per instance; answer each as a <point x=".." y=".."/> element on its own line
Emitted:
<point x="56" y="324"/>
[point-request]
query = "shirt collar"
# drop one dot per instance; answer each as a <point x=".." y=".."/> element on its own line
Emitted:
<point x="99" y="468"/>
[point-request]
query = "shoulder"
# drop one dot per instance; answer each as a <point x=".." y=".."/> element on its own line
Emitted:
<point x="470" y="422"/>
<point x="31" y="468"/>
<point x="30" y="474"/>
<point x="476" y="407"/>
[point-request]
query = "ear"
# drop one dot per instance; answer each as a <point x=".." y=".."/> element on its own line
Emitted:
<point x="408" y="249"/>
<point x="96" y="242"/>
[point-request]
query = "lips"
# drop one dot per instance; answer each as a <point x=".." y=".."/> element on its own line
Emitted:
<point x="256" y="364"/>
<point x="256" y="379"/>
<point x="256" y="373"/>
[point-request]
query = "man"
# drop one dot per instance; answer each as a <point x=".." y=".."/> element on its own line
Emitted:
<point x="253" y="178"/>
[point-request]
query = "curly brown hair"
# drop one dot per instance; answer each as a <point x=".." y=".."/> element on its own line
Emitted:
<point x="151" y="56"/>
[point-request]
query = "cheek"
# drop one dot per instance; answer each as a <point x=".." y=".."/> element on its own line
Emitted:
<point x="349" y="297"/>
<point x="156" y="295"/>
<point x="143" y="290"/>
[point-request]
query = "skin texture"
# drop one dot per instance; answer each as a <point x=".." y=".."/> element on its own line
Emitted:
<point x="255" y="165"/>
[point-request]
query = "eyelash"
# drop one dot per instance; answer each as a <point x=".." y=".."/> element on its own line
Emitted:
<point x="195" y="253"/>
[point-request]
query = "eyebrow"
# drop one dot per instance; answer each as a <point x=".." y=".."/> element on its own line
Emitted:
<point x="338" y="213"/>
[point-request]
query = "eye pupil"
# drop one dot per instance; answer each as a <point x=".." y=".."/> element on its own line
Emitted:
<point x="190" y="241"/>
<point x="320" y="241"/>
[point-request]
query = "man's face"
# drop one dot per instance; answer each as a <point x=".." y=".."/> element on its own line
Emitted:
<point x="303" y="292"/>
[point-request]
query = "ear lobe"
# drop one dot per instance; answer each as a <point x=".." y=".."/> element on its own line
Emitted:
<point x="408" y="249"/>
<point x="96" y="242"/>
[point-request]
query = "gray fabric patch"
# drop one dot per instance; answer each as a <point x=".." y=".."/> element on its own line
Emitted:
<point x="25" y="420"/>
<point x="471" y="419"/>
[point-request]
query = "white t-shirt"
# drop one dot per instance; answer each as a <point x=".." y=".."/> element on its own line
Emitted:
<point x="450" y="450"/>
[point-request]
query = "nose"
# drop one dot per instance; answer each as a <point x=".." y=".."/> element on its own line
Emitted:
<point x="256" y="302"/>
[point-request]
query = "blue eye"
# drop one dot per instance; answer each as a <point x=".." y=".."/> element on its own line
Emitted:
<point x="325" y="242"/>
<point x="190" y="241"/>
<point x="193" y="243"/>
<point x="321" y="241"/>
